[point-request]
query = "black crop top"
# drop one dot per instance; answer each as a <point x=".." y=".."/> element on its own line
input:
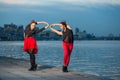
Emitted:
<point x="29" y="33"/>
<point x="68" y="36"/>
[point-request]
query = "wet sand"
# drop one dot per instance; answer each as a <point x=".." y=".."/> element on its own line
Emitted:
<point x="17" y="69"/>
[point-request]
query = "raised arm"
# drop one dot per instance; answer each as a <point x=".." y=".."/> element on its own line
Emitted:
<point x="68" y="26"/>
<point x="54" y="30"/>
<point x="42" y="22"/>
<point x="41" y="29"/>
<point x="55" y="25"/>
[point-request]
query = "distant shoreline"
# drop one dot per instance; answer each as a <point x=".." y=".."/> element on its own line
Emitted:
<point x="13" y="32"/>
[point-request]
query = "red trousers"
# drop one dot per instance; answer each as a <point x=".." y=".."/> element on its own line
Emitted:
<point x="67" y="48"/>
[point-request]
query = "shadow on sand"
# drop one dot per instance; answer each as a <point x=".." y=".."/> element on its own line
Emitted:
<point x="104" y="78"/>
<point x="43" y="67"/>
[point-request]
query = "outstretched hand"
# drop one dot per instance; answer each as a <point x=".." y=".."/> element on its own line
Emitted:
<point x="47" y="25"/>
<point x="51" y="26"/>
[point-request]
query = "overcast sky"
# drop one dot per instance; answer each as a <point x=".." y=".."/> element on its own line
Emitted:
<point x="100" y="17"/>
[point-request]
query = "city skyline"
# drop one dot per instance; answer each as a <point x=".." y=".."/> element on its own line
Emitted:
<point x="98" y="17"/>
<point x="13" y="32"/>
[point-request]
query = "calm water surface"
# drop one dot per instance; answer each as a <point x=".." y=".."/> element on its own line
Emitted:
<point x="100" y="58"/>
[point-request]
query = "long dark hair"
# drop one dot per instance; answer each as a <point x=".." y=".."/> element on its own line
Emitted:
<point x="33" y="21"/>
<point x="63" y="23"/>
<point x="28" y="26"/>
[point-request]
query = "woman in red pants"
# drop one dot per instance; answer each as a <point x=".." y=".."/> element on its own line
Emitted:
<point x="30" y="45"/>
<point x="67" y="41"/>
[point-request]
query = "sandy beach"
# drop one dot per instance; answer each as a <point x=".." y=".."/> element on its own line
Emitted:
<point x="17" y="69"/>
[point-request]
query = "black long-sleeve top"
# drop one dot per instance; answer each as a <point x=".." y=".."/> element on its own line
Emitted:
<point x="28" y="32"/>
<point x="68" y="36"/>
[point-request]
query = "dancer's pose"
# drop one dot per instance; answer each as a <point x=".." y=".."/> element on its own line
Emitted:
<point x="30" y="45"/>
<point x="67" y="41"/>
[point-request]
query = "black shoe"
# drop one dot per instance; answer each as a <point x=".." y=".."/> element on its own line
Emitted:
<point x="33" y="68"/>
<point x="65" y="69"/>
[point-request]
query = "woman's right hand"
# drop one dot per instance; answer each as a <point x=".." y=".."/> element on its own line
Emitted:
<point x="46" y="25"/>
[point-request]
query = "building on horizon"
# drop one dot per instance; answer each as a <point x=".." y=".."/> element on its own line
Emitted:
<point x="13" y="32"/>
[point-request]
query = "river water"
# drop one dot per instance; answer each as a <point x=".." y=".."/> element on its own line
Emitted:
<point x="101" y="58"/>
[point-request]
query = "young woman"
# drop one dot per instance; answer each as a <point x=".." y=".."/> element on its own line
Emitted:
<point x="30" y="45"/>
<point x="67" y="41"/>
